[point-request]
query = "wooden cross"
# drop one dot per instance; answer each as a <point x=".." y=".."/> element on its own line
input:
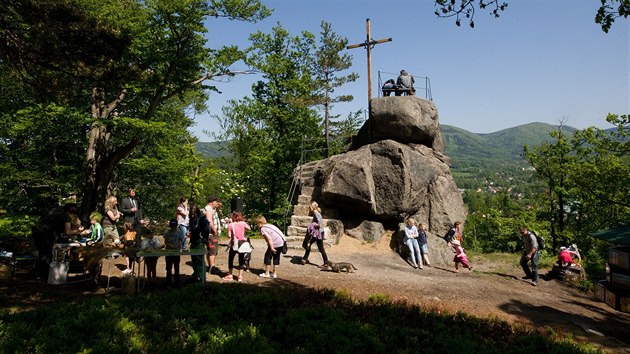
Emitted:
<point x="368" y="44"/>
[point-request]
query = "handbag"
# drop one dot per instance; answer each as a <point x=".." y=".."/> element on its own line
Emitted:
<point x="285" y="248"/>
<point x="244" y="246"/>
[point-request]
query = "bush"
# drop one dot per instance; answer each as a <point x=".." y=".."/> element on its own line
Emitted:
<point x="250" y="318"/>
<point x="16" y="226"/>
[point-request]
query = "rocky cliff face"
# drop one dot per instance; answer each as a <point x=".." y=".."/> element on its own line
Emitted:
<point x="393" y="170"/>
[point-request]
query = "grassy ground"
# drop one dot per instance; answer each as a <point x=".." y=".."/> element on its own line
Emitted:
<point x="234" y="318"/>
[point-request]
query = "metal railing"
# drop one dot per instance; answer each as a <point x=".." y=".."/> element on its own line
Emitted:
<point x="426" y="88"/>
<point x="293" y="189"/>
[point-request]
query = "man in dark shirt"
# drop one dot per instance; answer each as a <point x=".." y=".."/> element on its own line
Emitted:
<point x="130" y="207"/>
<point x="530" y="253"/>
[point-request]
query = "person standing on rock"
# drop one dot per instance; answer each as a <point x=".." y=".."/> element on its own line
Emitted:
<point x="411" y="240"/>
<point x="530" y="253"/>
<point x="316" y="232"/>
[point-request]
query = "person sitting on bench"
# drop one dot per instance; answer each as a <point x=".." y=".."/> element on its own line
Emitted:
<point x="405" y="84"/>
<point x="388" y="87"/>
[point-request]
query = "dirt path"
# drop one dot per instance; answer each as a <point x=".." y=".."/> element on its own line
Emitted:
<point x="491" y="290"/>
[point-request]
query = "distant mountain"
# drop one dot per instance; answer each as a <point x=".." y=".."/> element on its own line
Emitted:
<point x="462" y="146"/>
<point x="213" y="149"/>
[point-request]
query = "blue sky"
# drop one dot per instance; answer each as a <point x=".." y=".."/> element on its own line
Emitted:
<point x="541" y="61"/>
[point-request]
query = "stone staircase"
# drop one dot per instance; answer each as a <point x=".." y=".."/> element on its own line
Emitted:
<point x="300" y="219"/>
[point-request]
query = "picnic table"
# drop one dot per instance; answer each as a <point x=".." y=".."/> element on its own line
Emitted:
<point x="81" y="259"/>
<point x="14" y="259"/>
<point x="142" y="254"/>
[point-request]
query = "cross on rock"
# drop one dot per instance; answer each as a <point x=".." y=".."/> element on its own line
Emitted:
<point x="368" y="44"/>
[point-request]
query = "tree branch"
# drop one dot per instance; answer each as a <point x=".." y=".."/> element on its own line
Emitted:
<point x="112" y="105"/>
<point x="203" y="78"/>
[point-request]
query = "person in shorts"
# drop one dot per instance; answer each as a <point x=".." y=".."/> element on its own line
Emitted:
<point x="131" y="244"/>
<point x="275" y="240"/>
<point x="423" y="242"/>
<point x="212" y="216"/>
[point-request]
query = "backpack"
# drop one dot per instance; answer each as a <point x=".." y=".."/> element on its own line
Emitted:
<point x="540" y="240"/>
<point x="450" y="236"/>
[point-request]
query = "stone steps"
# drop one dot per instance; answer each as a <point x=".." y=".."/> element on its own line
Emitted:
<point x="305" y="173"/>
<point x="301" y="217"/>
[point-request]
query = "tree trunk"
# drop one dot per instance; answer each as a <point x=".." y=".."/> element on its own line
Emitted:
<point x="101" y="159"/>
<point x="327" y="118"/>
<point x="552" y="212"/>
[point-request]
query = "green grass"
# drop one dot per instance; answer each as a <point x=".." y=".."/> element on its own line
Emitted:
<point x="545" y="261"/>
<point x="239" y="318"/>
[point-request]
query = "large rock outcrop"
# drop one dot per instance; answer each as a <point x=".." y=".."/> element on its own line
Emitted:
<point x="405" y="119"/>
<point x="388" y="181"/>
<point x="394" y="169"/>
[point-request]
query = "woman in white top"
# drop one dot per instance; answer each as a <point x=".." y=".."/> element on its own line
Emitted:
<point x="411" y="240"/>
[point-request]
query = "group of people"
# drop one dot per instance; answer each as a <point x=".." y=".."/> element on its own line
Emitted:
<point x="194" y="227"/>
<point x="191" y="227"/>
<point x="416" y="240"/>
<point x="404" y="84"/>
<point x="202" y="227"/>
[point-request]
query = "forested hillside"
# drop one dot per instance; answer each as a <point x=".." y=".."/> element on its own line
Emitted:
<point x="478" y="160"/>
<point x="213" y="149"/>
<point x="494" y="161"/>
<point x="462" y="145"/>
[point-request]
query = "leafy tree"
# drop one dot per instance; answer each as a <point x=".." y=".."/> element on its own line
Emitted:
<point x="342" y="131"/>
<point x="493" y="221"/>
<point x="267" y="131"/>
<point x="607" y="13"/>
<point x="587" y="179"/>
<point x="553" y="163"/>
<point x="135" y="64"/>
<point x="39" y="156"/>
<point x="610" y="10"/>
<point x="466" y="8"/>
<point x="602" y="174"/>
<point x="328" y="64"/>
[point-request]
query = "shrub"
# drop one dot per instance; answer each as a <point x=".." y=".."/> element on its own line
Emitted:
<point x="16" y="226"/>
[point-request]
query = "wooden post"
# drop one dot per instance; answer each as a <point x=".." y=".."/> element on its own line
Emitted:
<point x="368" y="44"/>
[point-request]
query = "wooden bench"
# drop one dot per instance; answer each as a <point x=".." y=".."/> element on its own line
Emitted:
<point x="399" y="91"/>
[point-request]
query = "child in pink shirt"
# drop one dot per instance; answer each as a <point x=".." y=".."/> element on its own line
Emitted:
<point x="460" y="256"/>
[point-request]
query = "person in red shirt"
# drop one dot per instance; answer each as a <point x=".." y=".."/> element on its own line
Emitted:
<point x="565" y="258"/>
